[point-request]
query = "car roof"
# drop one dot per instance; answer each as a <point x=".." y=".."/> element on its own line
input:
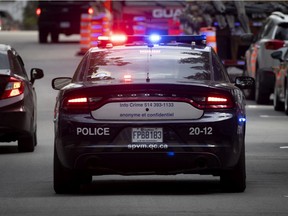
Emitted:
<point x="5" y="47"/>
<point x="279" y="17"/>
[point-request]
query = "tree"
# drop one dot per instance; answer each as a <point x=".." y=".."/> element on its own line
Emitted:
<point x="29" y="16"/>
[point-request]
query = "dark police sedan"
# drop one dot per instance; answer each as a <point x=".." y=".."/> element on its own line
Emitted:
<point x="18" y="111"/>
<point x="152" y="106"/>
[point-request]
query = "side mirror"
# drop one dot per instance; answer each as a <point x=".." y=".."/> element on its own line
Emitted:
<point x="245" y="82"/>
<point x="36" y="73"/>
<point x="277" y="55"/>
<point x="60" y="82"/>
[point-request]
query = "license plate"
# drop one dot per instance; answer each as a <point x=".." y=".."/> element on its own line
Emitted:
<point x="64" y="24"/>
<point x="147" y="135"/>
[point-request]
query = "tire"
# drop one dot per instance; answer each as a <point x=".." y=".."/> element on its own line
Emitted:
<point x="249" y="93"/>
<point x="277" y="104"/>
<point x="235" y="180"/>
<point x="27" y="144"/>
<point x="54" y="37"/>
<point x="261" y="95"/>
<point x="66" y="180"/>
<point x="286" y="102"/>
<point x="43" y="36"/>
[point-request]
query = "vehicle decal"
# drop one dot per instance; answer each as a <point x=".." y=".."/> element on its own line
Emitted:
<point x="147" y="110"/>
<point x="87" y="131"/>
<point x="151" y="146"/>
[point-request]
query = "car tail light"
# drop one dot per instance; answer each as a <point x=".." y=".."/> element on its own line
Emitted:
<point x="274" y="44"/>
<point x="214" y="102"/>
<point x="13" y="88"/>
<point x="80" y="104"/>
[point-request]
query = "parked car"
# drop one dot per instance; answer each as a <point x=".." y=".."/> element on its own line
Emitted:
<point x="280" y="101"/>
<point x="18" y="111"/>
<point x="259" y="63"/>
<point x="149" y="107"/>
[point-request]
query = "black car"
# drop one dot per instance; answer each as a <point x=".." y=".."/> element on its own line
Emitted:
<point x="280" y="100"/>
<point x="60" y="17"/>
<point x="149" y="107"/>
<point x="18" y="111"/>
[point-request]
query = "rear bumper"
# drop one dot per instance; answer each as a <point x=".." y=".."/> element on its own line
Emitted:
<point x="15" y="122"/>
<point x="179" y="153"/>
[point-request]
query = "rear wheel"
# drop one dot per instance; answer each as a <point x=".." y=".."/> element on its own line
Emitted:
<point x="249" y="93"/>
<point x="235" y="180"/>
<point x="278" y="105"/>
<point x="43" y="35"/>
<point x="27" y="143"/>
<point x="261" y="93"/>
<point x="66" y="180"/>
<point x="54" y="37"/>
<point x="286" y="101"/>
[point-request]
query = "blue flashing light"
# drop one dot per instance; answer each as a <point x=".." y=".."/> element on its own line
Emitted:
<point x="170" y="154"/>
<point x="154" y="38"/>
<point x="197" y="39"/>
<point x="242" y="119"/>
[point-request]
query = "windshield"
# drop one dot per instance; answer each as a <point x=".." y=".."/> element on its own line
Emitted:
<point x="153" y="63"/>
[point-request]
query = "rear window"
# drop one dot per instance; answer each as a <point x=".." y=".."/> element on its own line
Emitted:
<point x="4" y="62"/>
<point x="156" y="63"/>
<point x="282" y="32"/>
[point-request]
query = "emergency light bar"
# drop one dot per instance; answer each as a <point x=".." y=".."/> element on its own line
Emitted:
<point x="109" y="41"/>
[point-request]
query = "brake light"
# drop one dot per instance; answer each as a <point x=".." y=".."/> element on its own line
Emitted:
<point x="274" y="44"/>
<point x="13" y="88"/>
<point x="216" y="99"/>
<point x="214" y="102"/>
<point x="77" y="100"/>
<point x="219" y="102"/>
<point x="38" y="11"/>
<point x="80" y="104"/>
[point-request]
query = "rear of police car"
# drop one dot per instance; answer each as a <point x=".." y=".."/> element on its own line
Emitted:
<point x="149" y="109"/>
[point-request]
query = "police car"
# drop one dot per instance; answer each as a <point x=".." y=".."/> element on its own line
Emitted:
<point x="149" y="105"/>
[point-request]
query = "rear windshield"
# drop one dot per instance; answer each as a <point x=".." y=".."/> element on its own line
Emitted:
<point x="282" y="32"/>
<point x="155" y="63"/>
<point x="4" y="62"/>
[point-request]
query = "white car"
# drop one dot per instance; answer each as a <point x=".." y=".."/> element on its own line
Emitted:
<point x="258" y="60"/>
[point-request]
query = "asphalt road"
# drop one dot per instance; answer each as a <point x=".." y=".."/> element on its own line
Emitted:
<point x="26" y="186"/>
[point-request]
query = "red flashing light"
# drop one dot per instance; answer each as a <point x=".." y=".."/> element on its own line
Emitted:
<point x="109" y="41"/>
<point x="38" y="11"/>
<point x="118" y="38"/>
<point x="127" y="78"/>
<point x="90" y="10"/>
